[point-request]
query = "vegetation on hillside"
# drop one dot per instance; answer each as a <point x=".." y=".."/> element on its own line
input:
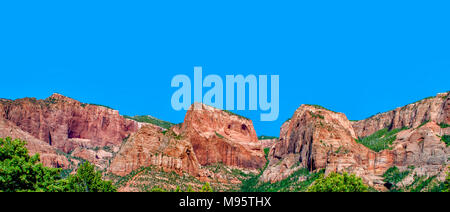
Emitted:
<point x="393" y="176"/>
<point x="381" y="139"/>
<point x="20" y="172"/>
<point x="300" y="180"/>
<point x="219" y="135"/>
<point x="205" y="188"/>
<point x="444" y="125"/>
<point x="154" y="179"/>
<point x="316" y="115"/>
<point x="446" y="139"/>
<point x="88" y="180"/>
<point x="151" y="120"/>
<point x="336" y="182"/>
<point x="395" y="181"/>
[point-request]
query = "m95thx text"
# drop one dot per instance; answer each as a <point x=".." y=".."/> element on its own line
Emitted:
<point x="237" y="201"/>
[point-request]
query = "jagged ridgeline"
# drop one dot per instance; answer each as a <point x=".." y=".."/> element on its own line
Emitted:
<point x="406" y="149"/>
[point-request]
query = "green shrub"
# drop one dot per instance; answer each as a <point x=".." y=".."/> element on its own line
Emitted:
<point x="335" y="182"/>
<point x="446" y="139"/>
<point x="444" y="125"/>
<point x="266" y="152"/>
<point x="316" y="115"/>
<point x="219" y="135"/>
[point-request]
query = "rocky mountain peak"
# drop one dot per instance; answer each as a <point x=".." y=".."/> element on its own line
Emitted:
<point x="219" y="136"/>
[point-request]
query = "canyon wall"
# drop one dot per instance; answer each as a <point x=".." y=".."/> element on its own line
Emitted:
<point x="65" y="123"/>
<point x="316" y="138"/>
<point x="436" y="109"/>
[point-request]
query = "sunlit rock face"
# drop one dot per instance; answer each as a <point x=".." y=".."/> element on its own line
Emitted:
<point x="316" y="138"/>
<point x="219" y="136"/>
<point x="65" y="123"/>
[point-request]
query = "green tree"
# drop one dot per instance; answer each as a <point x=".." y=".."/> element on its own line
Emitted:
<point x="20" y="172"/>
<point x="335" y="182"/>
<point x="88" y="180"/>
<point x="206" y="188"/>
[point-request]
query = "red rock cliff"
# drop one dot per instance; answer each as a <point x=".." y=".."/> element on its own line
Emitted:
<point x="48" y="154"/>
<point x="151" y="146"/>
<point x="218" y="136"/>
<point x="436" y="109"/>
<point x="62" y="122"/>
<point x="316" y="138"/>
<point x="313" y="139"/>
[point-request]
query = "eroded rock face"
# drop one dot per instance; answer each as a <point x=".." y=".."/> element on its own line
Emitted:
<point x="316" y="138"/>
<point x="436" y="109"/>
<point x="48" y="154"/>
<point x="218" y="136"/>
<point x="150" y="146"/>
<point x="422" y="147"/>
<point x="66" y="124"/>
<point x="268" y="143"/>
<point x="208" y="136"/>
<point x="100" y="158"/>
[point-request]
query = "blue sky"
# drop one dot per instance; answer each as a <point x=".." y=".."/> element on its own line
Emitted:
<point x="356" y="57"/>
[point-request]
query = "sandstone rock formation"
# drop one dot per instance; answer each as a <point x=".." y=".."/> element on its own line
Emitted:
<point x="316" y="138"/>
<point x="208" y="136"/>
<point x="268" y="143"/>
<point x="436" y="109"/>
<point x="219" y="136"/>
<point x="153" y="146"/>
<point x="48" y="154"/>
<point x="99" y="157"/>
<point x="65" y="123"/>
<point x="422" y="147"/>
